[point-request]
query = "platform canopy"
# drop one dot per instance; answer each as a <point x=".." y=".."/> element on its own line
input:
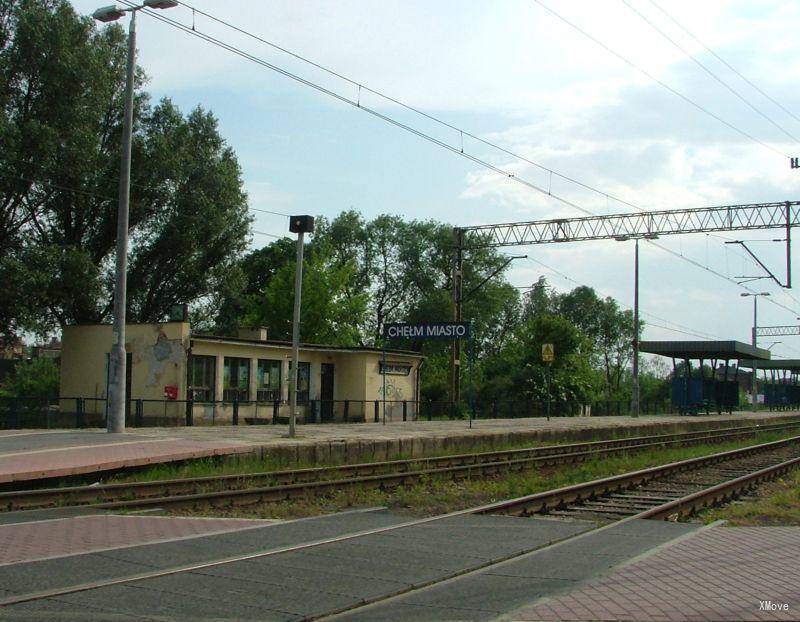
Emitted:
<point x="780" y="364"/>
<point x="725" y="350"/>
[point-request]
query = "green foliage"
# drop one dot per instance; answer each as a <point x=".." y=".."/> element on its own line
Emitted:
<point x="36" y="378"/>
<point x="61" y="102"/>
<point x="330" y="313"/>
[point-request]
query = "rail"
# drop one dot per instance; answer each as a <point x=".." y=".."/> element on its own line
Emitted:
<point x="273" y="486"/>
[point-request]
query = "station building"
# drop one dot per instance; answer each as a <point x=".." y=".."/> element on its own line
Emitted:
<point x="168" y="365"/>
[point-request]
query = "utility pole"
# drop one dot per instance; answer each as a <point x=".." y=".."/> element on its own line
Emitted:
<point x="754" y="386"/>
<point x="635" y="380"/>
<point x="117" y="398"/>
<point x="117" y="372"/>
<point x="299" y="225"/>
<point x="458" y="274"/>
<point x="755" y="361"/>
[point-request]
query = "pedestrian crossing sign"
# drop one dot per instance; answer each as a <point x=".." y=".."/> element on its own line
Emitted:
<point x="548" y="353"/>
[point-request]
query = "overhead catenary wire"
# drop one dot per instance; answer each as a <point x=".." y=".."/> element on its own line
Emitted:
<point x="685" y="329"/>
<point x="713" y="75"/>
<point x="353" y="102"/>
<point x="461" y="131"/>
<point x="106" y="197"/>
<point x="661" y="83"/>
<point x="193" y="31"/>
<point x="724" y="62"/>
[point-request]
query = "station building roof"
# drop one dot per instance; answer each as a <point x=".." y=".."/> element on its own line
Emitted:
<point x="725" y="350"/>
<point x="782" y="364"/>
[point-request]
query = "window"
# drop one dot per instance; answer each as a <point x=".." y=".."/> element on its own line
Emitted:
<point x="202" y="378"/>
<point x="303" y="380"/>
<point x="268" y="381"/>
<point x="393" y="368"/>
<point x="236" y="379"/>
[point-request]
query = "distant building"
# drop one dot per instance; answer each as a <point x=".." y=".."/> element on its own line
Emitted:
<point x="50" y="350"/>
<point x="12" y="348"/>
<point x="169" y="362"/>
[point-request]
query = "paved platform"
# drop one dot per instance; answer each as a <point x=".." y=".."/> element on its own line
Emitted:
<point x="36" y="540"/>
<point x="724" y="573"/>
<point x="40" y="454"/>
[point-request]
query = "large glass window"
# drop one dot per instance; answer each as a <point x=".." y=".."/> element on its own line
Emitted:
<point x="236" y="379"/>
<point x="268" y="381"/>
<point x="202" y="378"/>
<point x="303" y="381"/>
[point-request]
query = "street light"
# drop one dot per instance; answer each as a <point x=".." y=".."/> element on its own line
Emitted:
<point x="754" y="386"/>
<point x="299" y="225"/>
<point x="635" y="370"/>
<point x="116" y="370"/>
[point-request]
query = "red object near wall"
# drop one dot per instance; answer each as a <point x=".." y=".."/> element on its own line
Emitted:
<point x="170" y="393"/>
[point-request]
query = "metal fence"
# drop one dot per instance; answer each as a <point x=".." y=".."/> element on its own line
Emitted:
<point x="80" y="412"/>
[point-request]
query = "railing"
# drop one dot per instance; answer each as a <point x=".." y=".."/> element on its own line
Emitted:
<point x="78" y="412"/>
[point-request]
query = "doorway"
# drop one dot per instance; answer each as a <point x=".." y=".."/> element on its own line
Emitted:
<point x="326" y="392"/>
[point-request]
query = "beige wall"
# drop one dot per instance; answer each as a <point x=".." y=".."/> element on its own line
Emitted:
<point x="398" y="387"/>
<point x="158" y="359"/>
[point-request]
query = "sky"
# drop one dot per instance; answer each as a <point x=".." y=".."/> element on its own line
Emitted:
<point x="513" y="72"/>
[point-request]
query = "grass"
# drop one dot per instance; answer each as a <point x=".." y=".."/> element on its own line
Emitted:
<point x="439" y="495"/>
<point x="776" y="503"/>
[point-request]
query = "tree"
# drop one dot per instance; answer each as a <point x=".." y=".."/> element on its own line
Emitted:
<point x="61" y="91"/>
<point x="36" y="378"/>
<point x="329" y="315"/>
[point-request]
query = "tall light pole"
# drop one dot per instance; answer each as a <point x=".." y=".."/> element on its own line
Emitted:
<point x="299" y="225"/>
<point x="754" y="385"/>
<point x="635" y="366"/>
<point x="115" y="422"/>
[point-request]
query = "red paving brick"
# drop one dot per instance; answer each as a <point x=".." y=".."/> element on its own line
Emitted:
<point x="68" y="536"/>
<point x="61" y="462"/>
<point x="722" y="573"/>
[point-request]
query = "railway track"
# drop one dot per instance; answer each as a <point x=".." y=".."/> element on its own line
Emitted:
<point x="275" y="486"/>
<point x="674" y="489"/>
<point x="667" y="491"/>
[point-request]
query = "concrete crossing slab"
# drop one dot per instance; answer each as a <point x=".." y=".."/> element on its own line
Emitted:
<point x="327" y="578"/>
<point x="494" y="591"/>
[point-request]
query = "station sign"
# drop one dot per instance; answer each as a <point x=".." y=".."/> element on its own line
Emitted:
<point x="437" y="330"/>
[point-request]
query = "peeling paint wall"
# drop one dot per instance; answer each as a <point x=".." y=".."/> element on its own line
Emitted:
<point x="158" y="359"/>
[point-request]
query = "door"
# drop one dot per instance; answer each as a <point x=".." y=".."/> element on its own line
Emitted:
<point x="326" y="392"/>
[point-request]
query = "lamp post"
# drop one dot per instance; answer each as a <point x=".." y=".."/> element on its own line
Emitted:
<point x="299" y="225"/>
<point x="115" y="422"/>
<point x="635" y="365"/>
<point x="754" y="386"/>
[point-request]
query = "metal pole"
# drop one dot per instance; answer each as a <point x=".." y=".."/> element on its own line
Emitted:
<point x="117" y="372"/>
<point x="298" y="287"/>
<point x="755" y="361"/>
<point x="547" y="376"/>
<point x="471" y="385"/>
<point x="635" y="383"/>
<point x="384" y="385"/>
<point x="788" y="244"/>
<point x="455" y="360"/>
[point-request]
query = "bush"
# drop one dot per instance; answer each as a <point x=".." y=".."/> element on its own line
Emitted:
<point x="37" y="378"/>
